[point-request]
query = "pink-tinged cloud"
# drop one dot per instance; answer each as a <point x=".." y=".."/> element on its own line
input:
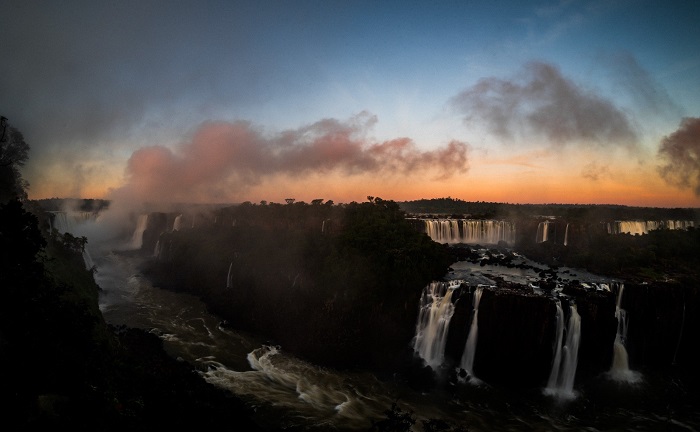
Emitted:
<point x="680" y="153"/>
<point x="223" y="159"/>
<point x="542" y="103"/>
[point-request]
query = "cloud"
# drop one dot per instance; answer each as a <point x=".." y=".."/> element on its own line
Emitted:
<point x="595" y="171"/>
<point x="648" y="96"/>
<point x="680" y="153"/>
<point x="542" y="103"/>
<point x="225" y="157"/>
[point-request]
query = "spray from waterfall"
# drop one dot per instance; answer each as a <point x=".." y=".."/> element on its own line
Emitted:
<point x="563" y="372"/>
<point x="467" y="363"/>
<point x="436" y="310"/>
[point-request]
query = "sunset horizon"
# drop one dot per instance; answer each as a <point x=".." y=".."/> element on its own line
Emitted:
<point x="566" y="102"/>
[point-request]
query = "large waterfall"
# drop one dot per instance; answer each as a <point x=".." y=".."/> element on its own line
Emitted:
<point x="467" y="362"/>
<point x="470" y="231"/>
<point x="563" y="372"/>
<point x="620" y="370"/>
<point x="436" y="310"/>
<point x="643" y="227"/>
<point x="137" y="237"/>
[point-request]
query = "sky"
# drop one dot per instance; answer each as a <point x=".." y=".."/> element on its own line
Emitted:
<point x="582" y="102"/>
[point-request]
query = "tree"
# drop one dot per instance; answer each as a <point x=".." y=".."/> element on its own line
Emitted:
<point x="14" y="152"/>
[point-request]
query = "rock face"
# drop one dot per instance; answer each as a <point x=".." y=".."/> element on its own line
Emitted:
<point x="517" y="333"/>
<point x="516" y="330"/>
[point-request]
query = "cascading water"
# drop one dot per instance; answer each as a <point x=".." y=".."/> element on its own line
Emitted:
<point x="620" y="371"/>
<point x="137" y="237"/>
<point x="470" y="231"/>
<point x="467" y="362"/>
<point x="563" y="373"/>
<point x="66" y="222"/>
<point x="436" y="310"/>
<point x="229" y="281"/>
<point x="643" y="227"/>
<point x="177" y="223"/>
<point x="542" y="232"/>
<point x="566" y="235"/>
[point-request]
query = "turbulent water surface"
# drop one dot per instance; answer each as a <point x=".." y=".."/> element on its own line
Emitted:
<point x="289" y="392"/>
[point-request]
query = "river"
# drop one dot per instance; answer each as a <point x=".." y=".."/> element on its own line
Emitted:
<point x="288" y="392"/>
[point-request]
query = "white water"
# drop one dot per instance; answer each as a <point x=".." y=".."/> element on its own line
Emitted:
<point x="137" y="237"/>
<point x="620" y="370"/>
<point x="467" y="362"/>
<point x="67" y="222"/>
<point x="542" y="232"/>
<point x="436" y="310"/>
<point x="290" y="393"/>
<point x="470" y="231"/>
<point x="566" y="235"/>
<point x="563" y="373"/>
<point x="643" y="227"/>
<point x="177" y="223"/>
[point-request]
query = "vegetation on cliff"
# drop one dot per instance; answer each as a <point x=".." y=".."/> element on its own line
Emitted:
<point x="336" y="284"/>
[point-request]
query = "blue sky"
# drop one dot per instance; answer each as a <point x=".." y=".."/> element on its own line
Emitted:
<point x="96" y="85"/>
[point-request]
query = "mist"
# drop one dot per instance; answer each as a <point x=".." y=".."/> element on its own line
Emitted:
<point x="223" y="159"/>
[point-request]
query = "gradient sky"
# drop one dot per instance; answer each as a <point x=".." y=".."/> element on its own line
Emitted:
<point x="208" y="101"/>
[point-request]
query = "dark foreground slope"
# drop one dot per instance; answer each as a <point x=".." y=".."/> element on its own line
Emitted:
<point x="62" y="366"/>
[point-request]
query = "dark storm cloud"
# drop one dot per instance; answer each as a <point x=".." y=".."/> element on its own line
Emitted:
<point x="680" y="153"/>
<point x="541" y="102"/>
<point x="223" y="157"/>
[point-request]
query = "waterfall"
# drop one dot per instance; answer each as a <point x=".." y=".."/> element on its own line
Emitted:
<point x="470" y="231"/>
<point x="137" y="237"/>
<point x="229" y="282"/>
<point x="467" y="362"/>
<point x="561" y="377"/>
<point x="620" y="371"/>
<point x="66" y="222"/>
<point x="177" y="224"/>
<point x="542" y="232"/>
<point x="643" y="227"/>
<point x="566" y="235"/>
<point x="436" y="310"/>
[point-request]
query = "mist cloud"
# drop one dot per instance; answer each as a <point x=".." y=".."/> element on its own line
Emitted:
<point x="223" y="158"/>
<point x="680" y="152"/>
<point x="541" y="102"/>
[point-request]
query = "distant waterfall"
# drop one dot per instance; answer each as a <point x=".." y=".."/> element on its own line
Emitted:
<point x="467" y="362"/>
<point x="229" y="281"/>
<point x="137" y="237"/>
<point x="436" y="310"/>
<point x="563" y="372"/>
<point x="643" y="227"/>
<point x="66" y="222"/>
<point x="566" y="235"/>
<point x="620" y="371"/>
<point x="470" y="231"/>
<point x="542" y="232"/>
<point x="177" y="224"/>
